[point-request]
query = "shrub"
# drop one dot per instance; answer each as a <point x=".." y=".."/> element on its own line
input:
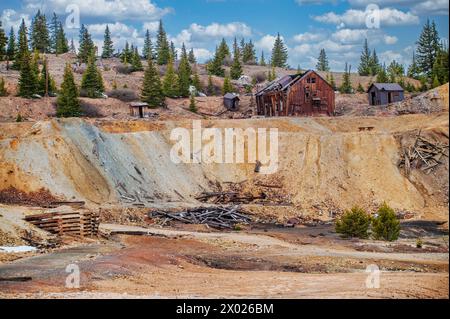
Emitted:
<point x="124" y="69"/>
<point x="3" y="91"/>
<point x="354" y="223"/>
<point x="19" y="118"/>
<point x="260" y="77"/>
<point x="419" y="243"/>
<point x="386" y="226"/>
<point x="124" y="95"/>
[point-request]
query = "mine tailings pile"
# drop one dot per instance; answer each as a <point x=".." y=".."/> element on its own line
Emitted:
<point x="322" y="162"/>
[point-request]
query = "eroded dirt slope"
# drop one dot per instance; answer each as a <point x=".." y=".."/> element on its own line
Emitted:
<point x="323" y="160"/>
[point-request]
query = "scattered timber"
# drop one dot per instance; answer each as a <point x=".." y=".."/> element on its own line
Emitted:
<point x="423" y="155"/>
<point x="215" y="217"/>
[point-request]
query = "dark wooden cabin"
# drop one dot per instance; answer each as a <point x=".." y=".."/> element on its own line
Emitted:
<point x="385" y="93"/>
<point x="304" y="94"/>
<point x="231" y="102"/>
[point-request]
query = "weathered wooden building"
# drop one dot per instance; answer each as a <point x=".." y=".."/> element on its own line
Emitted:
<point x="385" y="93"/>
<point x="304" y="94"/>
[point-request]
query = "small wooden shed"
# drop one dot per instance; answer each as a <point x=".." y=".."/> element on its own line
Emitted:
<point x="385" y="93"/>
<point x="139" y="109"/>
<point x="231" y="101"/>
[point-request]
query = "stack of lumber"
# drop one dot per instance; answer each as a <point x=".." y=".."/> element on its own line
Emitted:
<point x="215" y="217"/>
<point x="423" y="155"/>
<point x="79" y="224"/>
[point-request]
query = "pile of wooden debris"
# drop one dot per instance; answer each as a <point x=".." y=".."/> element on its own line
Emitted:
<point x="215" y="217"/>
<point x="423" y="155"/>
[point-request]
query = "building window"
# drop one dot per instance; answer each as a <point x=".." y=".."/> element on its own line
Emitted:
<point x="313" y="80"/>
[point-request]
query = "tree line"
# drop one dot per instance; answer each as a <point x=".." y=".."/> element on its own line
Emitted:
<point x="429" y="64"/>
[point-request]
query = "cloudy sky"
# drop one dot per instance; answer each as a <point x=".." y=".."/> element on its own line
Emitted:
<point x="338" y="26"/>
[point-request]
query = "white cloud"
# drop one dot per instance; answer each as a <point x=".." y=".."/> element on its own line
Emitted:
<point x="350" y="35"/>
<point x="150" y="26"/>
<point x="308" y="37"/>
<point x="431" y="7"/>
<point x="114" y="10"/>
<point x="357" y="18"/>
<point x="390" y="39"/>
<point x="117" y="30"/>
<point x="11" y="18"/>
<point x="216" y="30"/>
<point x="266" y="43"/>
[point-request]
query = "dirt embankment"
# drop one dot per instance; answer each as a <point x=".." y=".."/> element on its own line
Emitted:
<point x="324" y="163"/>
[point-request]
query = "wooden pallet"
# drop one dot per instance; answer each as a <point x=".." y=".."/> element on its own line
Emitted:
<point x="81" y="224"/>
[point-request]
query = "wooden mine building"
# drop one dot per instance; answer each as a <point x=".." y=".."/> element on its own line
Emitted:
<point x="304" y="94"/>
<point x="385" y="93"/>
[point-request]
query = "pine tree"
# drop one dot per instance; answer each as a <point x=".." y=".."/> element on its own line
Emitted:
<point x="35" y="60"/>
<point x="365" y="66"/>
<point x="227" y="86"/>
<point x="375" y="63"/>
<point x="136" y="62"/>
<point x="360" y="88"/>
<point x="440" y="67"/>
<point x="395" y="71"/>
<point x="279" y="53"/>
<point x="68" y="104"/>
<point x="436" y="82"/>
<point x="148" y="46"/>
<point x="192" y="104"/>
<point x="62" y="45"/>
<point x="152" y="91"/>
<point x="346" y="87"/>
<point x="413" y="69"/>
<point x="170" y="85"/>
<point x="210" y="89"/>
<point x="223" y="52"/>
<point x="382" y="76"/>
<point x="86" y="49"/>
<point x="191" y="57"/>
<point x="27" y="79"/>
<point x="332" y="81"/>
<point x="3" y="41"/>
<point x="11" y="50"/>
<point x="262" y="61"/>
<point x="236" y="67"/>
<point x="72" y="48"/>
<point x="46" y="83"/>
<point x="428" y="48"/>
<point x="127" y="54"/>
<point x="184" y="73"/>
<point x="173" y="51"/>
<point x="54" y="26"/>
<point x="39" y="33"/>
<point x="249" y="54"/>
<point x="92" y="81"/>
<point x="3" y="90"/>
<point x="196" y="81"/>
<point x="108" y="48"/>
<point x="215" y="66"/>
<point x="23" y="49"/>
<point x="322" y="63"/>
<point x="162" y="45"/>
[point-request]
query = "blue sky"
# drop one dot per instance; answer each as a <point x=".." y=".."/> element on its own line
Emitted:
<point x="338" y="26"/>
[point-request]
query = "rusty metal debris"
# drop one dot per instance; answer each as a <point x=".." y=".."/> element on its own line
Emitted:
<point x="13" y="196"/>
<point x="423" y="155"/>
<point x="215" y="217"/>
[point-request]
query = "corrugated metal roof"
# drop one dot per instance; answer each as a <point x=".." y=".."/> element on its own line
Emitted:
<point x="388" y="86"/>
